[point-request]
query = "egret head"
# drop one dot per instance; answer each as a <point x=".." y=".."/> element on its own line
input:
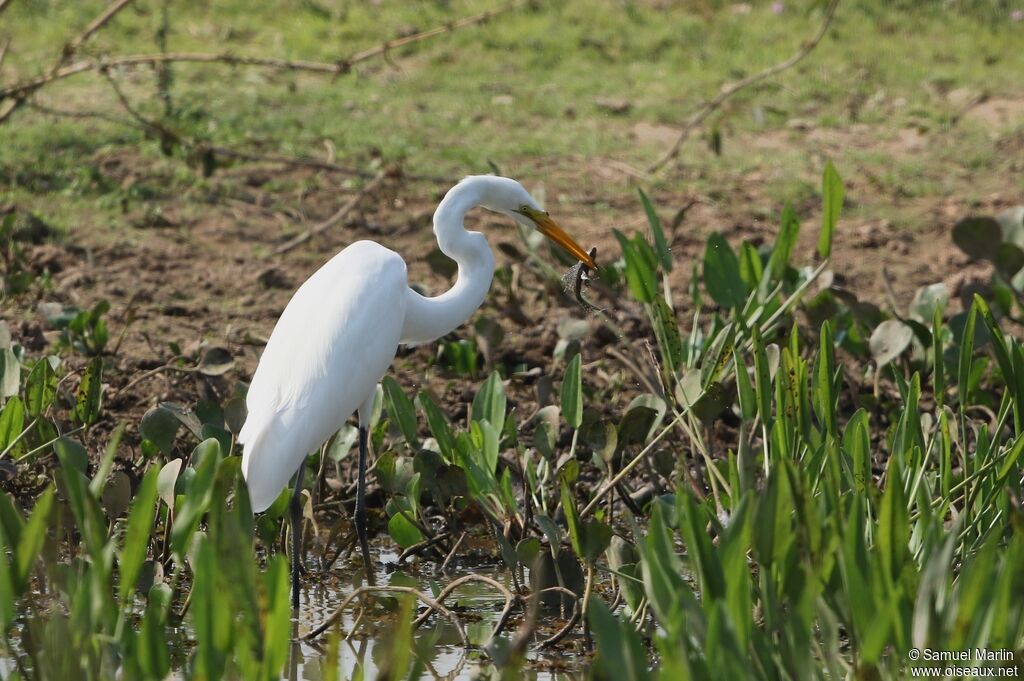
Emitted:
<point x="508" y="197"/>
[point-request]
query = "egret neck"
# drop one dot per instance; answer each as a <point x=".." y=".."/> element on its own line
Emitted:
<point x="427" y="319"/>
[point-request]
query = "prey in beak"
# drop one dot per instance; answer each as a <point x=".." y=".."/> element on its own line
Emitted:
<point x="551" y="230"/>
<point x="572" y="281"/>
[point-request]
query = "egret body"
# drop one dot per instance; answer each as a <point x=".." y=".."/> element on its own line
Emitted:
<point x="341" y="330"/>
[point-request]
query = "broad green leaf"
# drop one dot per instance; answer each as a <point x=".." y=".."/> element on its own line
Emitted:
<point x="439" y="427"/>
<point x="166" y="481"/>
<point x="785" y="242"/>
<point x="639" y="272"/>
<point x="722" y="273"/>
<point x="205" y="458"/>
<point x="660" y="244"/>
<point x="90" y="392"/>
<point x="978" y="237"/>
<point x="620" y="653"/>
<point x="966" y="355"/>
<point x="832" y="204"/>
<point x="40" y="388"/>
<point x="402" y="411"/>
<point x="33" y="536"/>
<point x="12" y="422"/>
<point x="572" y="393"/>
<point x="889" y="340"/>
<point x="404" y="532"/>
<point x="160" y="426"/>
<point x="10" y="373"/>
<point x="136" y="539"/>
<point x="489" y="401"/>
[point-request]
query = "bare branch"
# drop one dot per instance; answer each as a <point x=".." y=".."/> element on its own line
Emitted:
<point x="334" y="219"/>
<point x="728" y="91"/>
<point x="96" y="24"/>
<point x="19" y="91"/>
<point x="69" y="51"/>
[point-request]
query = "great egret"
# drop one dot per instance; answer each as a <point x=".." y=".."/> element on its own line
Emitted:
<point x="341" y="330"/>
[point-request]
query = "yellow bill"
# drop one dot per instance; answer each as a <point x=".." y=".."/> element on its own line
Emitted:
<point x="551" y="230"/>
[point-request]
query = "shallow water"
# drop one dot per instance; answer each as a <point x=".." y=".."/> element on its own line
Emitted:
<point x="443" y="654"/>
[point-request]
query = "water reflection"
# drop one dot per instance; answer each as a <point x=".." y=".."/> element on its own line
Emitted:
<point x="438" y="645"/>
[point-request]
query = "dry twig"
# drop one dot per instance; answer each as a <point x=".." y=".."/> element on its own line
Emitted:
<point x="363" y="590"/>
<point x="334" y="219"/>
<point x="20" y="91"/>
<point x="70" y="49"/>
<point x="728" y="91"/>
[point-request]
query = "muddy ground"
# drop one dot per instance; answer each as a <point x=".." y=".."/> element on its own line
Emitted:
<point x="197" y="268"/>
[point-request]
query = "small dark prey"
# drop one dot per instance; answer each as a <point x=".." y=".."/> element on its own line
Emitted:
<point x="572" y="283"/>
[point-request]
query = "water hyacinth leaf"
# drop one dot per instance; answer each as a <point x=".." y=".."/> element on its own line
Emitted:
<point x="1009" y="260"/>
<point x="572" y="393"/>
<point x="978" y="237"/>
<point x="343" y="442"/>
<point x="527" y="550"/>
<point x="12" y="422"/>
<point x="186" y="417"/>
<point x="160" y="426"/>
<point x="722" y="273"/>
<point x="235" y="413"/>
<point x="785" y="242"/>
<point x="620" y="654"/>
<point x="402" y="410"/>
<point x="404" y="532"/>
<point x="10" y="373"/>
<point x="216" y="361"/>
<point x="116" y="495"/>
<point x="72" y="453"/>
<point x="140" y="525"/>
<point x="712" y="402"/>
<point x="489" y="401"/>
<point x="600" y="436"/>
<point x="40" y="388"/>
<point x="642" y="415"/>
<point x="90" y="392"/>
<point x="889" y="340"/>
<point x="660" y="244"/>
<point x="545" y="431"/>
<point x="167" y="480"/>
<point x="832" y="204"/>
<point x="927" y="300"/>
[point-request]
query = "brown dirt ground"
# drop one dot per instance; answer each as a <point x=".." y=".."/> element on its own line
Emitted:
<point x="197" y="273"/>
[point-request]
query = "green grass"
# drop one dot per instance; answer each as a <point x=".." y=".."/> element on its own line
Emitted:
<point x="519" y="91"/>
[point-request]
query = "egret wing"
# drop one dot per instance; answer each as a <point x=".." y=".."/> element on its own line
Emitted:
<point x="335" y="339"/>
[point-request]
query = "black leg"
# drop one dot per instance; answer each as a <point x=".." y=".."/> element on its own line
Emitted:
<point x="295" y="516"/>
<point x="360" y="516"/>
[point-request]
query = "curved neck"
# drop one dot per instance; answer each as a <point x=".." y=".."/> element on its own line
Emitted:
<point x="429" y="318"/>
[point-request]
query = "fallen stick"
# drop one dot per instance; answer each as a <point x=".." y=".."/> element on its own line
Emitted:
<point x="335" y="219"/>
<point x="728" y="91"/>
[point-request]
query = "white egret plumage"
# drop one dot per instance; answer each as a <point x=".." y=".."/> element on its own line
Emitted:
<point x="341" y="330"/>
